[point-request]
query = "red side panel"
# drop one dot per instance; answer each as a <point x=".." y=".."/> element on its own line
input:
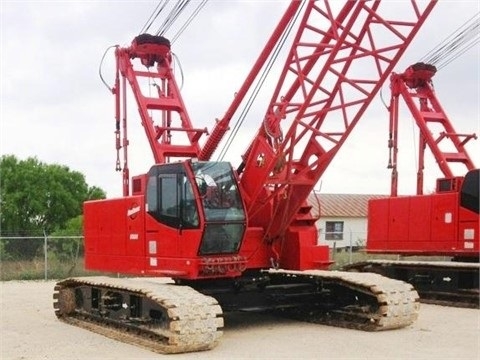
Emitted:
<point x="378" y="217"/>
<point x="468" y="229"/>
<point x="120" y="237"/>
<point x="398" y="230"/>
<point x="422" y="225"/>
<point x="420" y="231"/>
<point x="114" y="235"/>
<point x="445" y="220"/>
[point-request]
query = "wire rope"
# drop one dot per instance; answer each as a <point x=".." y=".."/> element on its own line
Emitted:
<point x="456" y="44"/>
<point x="189" y="20"/>
<point x="156" y="12"/>
<point x="172" y="17"/>
<point x="256" y="90"/>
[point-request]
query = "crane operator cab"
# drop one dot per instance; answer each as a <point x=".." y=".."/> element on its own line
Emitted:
<point x="200" y="196"/>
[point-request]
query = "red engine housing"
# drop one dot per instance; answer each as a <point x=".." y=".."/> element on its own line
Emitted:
<point x="445" y="223"/>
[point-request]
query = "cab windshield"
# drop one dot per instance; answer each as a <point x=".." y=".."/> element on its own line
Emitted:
<point x="219" y="191"/>
<point x="222" y="206"/>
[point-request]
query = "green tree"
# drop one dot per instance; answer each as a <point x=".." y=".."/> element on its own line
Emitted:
<point x="38" y="198"/>
<point x="65" y="244"/>
<point x="95" y="193"/>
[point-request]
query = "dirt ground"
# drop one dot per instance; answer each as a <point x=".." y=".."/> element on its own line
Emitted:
<point x="30" y="330"/>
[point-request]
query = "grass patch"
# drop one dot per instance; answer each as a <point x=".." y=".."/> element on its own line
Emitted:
<point x="35" y="269"/>
<point x="344" y="257"/>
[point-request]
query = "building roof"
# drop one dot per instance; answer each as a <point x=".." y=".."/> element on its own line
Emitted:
<point x="341" y="205"/>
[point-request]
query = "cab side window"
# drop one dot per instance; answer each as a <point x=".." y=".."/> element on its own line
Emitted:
<point x="170" y="198"/>
<point x="162" y="198"/>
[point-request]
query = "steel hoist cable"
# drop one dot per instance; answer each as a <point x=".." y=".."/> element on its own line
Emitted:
<point x="457" y="43"/>
<point x="257" y="88"/>
<point x="172" y="17"/>
<point x="156" y="12"/>
<point x="452" y="47"/>
<point x="189" y="20"/>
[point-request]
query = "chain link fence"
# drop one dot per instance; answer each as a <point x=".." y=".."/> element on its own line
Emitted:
<point x="41" y="257"/>
<point x="57" y="257"/>
<point x="348" y="247"/>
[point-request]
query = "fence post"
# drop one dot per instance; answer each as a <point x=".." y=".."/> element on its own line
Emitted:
<point x="45" y="251"/>
<point x="350" y="250"/>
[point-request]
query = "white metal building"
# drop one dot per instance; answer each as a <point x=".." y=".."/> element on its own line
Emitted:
<point x="343" y="218"/>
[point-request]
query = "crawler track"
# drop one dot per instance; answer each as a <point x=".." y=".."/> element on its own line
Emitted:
<point x="363" y="301"/>
<point x="164" y="318"/>
<point x="168" y="318"/>
<point x="444" y="283"/>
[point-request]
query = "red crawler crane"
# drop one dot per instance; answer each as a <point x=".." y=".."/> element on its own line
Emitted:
<point x="445" y="223"/>
<point x="244" y="238"/>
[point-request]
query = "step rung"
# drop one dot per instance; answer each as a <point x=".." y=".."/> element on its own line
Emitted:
<point x="455" y="157"/>
<point x="430" y="115"/>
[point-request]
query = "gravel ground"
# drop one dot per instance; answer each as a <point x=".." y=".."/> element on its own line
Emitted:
<point x="30" y="330"/>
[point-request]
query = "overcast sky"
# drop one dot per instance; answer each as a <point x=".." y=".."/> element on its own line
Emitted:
<point x="54" y="106"/>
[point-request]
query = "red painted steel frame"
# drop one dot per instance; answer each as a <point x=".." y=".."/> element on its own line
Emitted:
<point x="330" y="77"/>
<point x="336" y="65"/>
<point x="165" y="101"/>
<point x="414" y="86"/>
